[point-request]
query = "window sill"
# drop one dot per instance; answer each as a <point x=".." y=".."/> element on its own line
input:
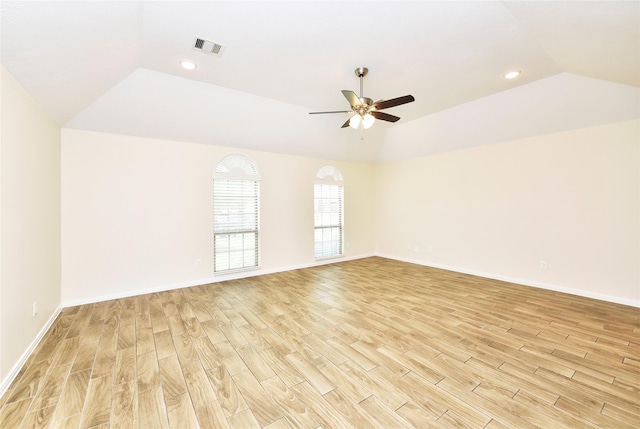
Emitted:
<point x="235" y="271"/>
<point x="326" y="258"/>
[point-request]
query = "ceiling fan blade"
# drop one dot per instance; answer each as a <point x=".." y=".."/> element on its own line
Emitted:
<point x="394" y="102"/>
<point x="384" y="116"/>
<point x="346" y="124"/>
<point x="333" y="111"/>
<point x="352" y="98"/>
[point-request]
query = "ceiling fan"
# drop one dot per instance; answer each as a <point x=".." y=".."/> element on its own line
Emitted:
<point x="364" y="109"/>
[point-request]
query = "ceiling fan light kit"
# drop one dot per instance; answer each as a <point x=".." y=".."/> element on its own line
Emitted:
<point x="354" y="121"/>
<point x="367" y="121"/>
<point x="364" y="110"/>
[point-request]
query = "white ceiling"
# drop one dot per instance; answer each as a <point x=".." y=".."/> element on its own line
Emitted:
<point x="112" y="66"/>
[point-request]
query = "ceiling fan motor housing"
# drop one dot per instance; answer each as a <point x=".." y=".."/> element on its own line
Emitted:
<point x="361" y="71"/>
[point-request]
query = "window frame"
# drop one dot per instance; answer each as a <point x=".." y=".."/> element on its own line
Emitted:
<point x="328" y="176"/>
<point x="236" y="172"/>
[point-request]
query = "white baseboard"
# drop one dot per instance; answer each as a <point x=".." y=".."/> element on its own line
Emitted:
<point x="4" y="384"/>
<point x="524" y="282"/>
<point x="208" y="280"/>
<point x="259" y="272"/>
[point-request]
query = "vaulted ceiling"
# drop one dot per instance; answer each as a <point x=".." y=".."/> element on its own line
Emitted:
<point x="114" y="67"/>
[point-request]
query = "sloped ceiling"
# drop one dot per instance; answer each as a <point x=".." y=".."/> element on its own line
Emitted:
<point x="114" y="67"/>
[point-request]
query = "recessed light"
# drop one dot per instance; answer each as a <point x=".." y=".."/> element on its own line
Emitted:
<point x="188" y="65"/>
<point x="512" y="74"/>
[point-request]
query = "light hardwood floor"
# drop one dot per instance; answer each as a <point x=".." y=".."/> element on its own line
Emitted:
<point x="371" y="343"/>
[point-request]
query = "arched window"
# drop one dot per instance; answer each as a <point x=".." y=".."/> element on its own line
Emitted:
<point x="328" y="197"/>
<point x="236" y="209"/>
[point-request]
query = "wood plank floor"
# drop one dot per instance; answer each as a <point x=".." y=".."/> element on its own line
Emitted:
<point x="371" y="343"/>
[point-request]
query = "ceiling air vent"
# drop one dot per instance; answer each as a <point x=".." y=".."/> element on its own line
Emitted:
<point x="207" y="46"/>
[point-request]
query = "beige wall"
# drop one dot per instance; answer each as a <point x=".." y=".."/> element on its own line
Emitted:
<point x="29" y="221"/>
<point x="137" y="213"/>
<point x="570" y="199"/>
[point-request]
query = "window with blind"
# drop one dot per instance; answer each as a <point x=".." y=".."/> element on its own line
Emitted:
<point x="328" y="195"/>
<point x="236" y="208"/>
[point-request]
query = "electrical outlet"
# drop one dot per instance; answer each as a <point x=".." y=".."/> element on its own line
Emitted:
<point x="416" y="249"/>
<point x="35" y="308"/>
<point x="198" y="263"/>
<point x="543" y="265"/>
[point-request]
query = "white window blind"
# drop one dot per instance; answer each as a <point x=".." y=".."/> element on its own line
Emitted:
<point x="328" y="214"/>
<point x="235" y="217"/>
